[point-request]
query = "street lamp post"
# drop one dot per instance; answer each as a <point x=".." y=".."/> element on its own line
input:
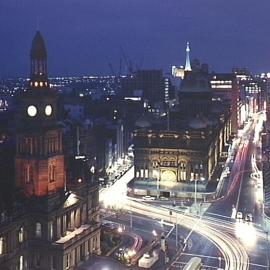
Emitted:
<point x="154" y="234"/>
<point x="156" y="174"/>
<point x="219" y="262"/>
<point x="195" y="196"/>
<point x="176" y="232"/>
<point x="267" y="243"/>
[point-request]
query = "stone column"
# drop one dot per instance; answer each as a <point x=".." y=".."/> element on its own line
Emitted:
<point x="72" y="220"/>
<point x="188" y="170"/>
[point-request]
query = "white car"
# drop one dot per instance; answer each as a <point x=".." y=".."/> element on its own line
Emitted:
<point x="239" y="215"/>
<point x="148" y="198"/>
<point x="248" y="217"/>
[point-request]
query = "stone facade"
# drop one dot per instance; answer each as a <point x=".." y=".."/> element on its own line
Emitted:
<point x="54" y="222"/>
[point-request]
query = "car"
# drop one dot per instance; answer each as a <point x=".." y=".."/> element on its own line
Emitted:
<point x="248" y="217"/>
<point x="109" y="226"/>
<point x="109" y="184"/>
<point x="146" y="255"/>
<point x="148" y="198"/>
<point x="164" y="198"/>
<point x="120" y="252"/>
<point x="239" y="215"/>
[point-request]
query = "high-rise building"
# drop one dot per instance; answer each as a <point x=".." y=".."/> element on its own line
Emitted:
<point x="55" y="220"/>
<point x="226" y="88"/>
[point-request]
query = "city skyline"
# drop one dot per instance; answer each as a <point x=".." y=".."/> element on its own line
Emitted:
<point x="152" y="34"/>
<point x="151" y="170"/>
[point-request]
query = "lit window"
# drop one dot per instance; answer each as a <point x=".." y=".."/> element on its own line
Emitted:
<point x="146" y="173"/>
<point x="28" y="173"/>
<point x="1" y="245"/>
<point x="52" y="169"/>
<point x="21" y="263"/>
<point x="21" y="235"/>
<point x="67" y="261"/>
<point x="41" y="84"/>
<point x="50" y="230"/>
<point x="38" y="230"/>
<point x="36" y="84"/>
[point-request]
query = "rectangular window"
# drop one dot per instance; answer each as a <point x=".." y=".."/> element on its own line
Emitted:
<point x="1" y="245"/>
<point x="67" y="261"/>
<point x="21" y="235"/>
<point x="137" y="174"/>
<point x="142" y="173"/>
<point x="38" y="230"/>
<point x="146" y="173"/>
<point x="21" y="263"/>
<point x="50" y="230"/>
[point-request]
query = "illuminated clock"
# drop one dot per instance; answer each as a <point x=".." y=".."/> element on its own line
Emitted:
<point x="32" y="110"/>
<point x="48" y="110"/>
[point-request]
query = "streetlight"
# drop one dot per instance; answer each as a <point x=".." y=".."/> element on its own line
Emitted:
<point x="92" y="170"/>
<point x="219" y="262"/>
<point x="195" y="195"/>
<point x="156" y="173"/>
<point x="155" y="234"/>
<point x="176" y="232"/>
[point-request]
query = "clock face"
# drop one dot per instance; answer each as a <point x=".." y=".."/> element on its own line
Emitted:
<point x="32" y="110"/>
<point x="48" y="110"/>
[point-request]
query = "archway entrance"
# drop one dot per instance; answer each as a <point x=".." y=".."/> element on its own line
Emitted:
<point x="168" y="176"/>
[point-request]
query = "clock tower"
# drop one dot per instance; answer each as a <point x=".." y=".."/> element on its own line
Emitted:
<point x="39" y="160"/>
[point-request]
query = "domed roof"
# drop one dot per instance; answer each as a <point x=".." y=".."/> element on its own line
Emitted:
<point x="143" y="122"/>
<point x="198" y="123"/>
<point x="38" y="50"/>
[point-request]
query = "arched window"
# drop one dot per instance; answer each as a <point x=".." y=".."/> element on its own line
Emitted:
<point x="21" y="233"/>
<point x="28" y="173"/>
<point x="50" y="231"/>
<point x="21" y="263"/>
<point x="1" y="245"/>
<point x="52" y="171"/>
<point x="38" y="230"/>
<point x="182" y="167"/>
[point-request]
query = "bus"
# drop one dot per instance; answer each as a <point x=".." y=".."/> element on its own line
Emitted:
<point x="194" y="263"/>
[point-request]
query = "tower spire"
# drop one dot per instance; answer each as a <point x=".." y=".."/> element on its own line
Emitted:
<point x="39" y="75"/>
<point x="187" y="66"/>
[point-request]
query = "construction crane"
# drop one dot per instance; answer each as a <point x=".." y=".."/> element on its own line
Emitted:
<point x="128" y="62"/>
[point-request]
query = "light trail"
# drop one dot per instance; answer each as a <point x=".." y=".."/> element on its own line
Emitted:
<point x="221" y="233"/>
<point x="234" y="254"/>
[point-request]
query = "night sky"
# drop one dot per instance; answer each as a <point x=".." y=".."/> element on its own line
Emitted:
<point x="83" y="36"/>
